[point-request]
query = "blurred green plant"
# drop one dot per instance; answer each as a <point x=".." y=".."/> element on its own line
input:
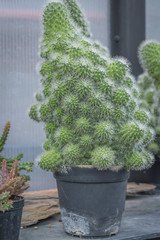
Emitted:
<point x="149" y="85"/>
<point x="27" y="166"/>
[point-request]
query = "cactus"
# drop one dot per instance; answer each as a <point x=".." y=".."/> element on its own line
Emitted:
<point x="149" y="85"/>
<point x="11" y="184"/>
<point x="88" y="101"/>
<point x="10" y="181"/>
<point x="4" y="135"/>
<point x="77" y="16"/>
<point x="27" y="166"/>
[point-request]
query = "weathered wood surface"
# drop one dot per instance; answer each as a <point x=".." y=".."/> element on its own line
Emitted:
<point x="39" y="205"/>
<point x="50" y="193"/>
<point x="134" y="188"/>
<point x="43" y="204"/>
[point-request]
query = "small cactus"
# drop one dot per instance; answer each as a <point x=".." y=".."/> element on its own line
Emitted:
<point x="149" y="85"/>
<point x="27" y="166"/>
<point x="89" y="101"/>
<point x="11" y="185"/>
<point x="10" y="181"/>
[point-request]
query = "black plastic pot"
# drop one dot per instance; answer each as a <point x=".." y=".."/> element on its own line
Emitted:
<point x="91" y="201"/>
<point x="10" y="221"/>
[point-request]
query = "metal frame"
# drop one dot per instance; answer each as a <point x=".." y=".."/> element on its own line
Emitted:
<point x="127" y="30"/>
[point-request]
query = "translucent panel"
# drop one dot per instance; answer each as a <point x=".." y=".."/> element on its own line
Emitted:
<point x="20" y="30"/>
<point x="98" y="15"/>
<point x="153" y="19"/>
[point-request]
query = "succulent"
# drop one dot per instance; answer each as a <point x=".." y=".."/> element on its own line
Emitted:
<point x="27" y="166"/>
<point x="11" y="185"/>
<point x="5" y="202"/>
<point x="10" y="181"/>
<point x="149" y="85"/>
<point x="88" y="101"/>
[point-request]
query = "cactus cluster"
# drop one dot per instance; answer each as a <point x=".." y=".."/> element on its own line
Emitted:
<point x="11" y="184"/>
<point x="88" y="100"/>
<point x="149" y="85"/>
<point x="27" y="166"/>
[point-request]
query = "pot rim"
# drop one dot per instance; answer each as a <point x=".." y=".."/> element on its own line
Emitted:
<point x="90" y="175"/>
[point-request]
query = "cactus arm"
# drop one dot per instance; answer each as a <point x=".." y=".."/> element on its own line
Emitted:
<point x="14" y="169"/>
<point x="77" y="16"/>
<point x="4" y="171"/>
<point x="27" y="166"/>
<point x="4" y="135"/>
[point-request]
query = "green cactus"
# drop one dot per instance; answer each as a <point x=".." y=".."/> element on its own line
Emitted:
<point x="77" y="16"/>
<point x="4" y="135"/>
<point x="89" y="101"/>
<point x="27" y="166"/>
<point x="149" y="85"/>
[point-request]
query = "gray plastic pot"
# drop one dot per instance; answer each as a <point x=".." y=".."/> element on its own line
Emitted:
<point x="10" y="221"/>
<point x="91" y="201"/>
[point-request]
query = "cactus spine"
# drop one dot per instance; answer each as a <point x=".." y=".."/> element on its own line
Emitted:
<point x="88" y="101"/>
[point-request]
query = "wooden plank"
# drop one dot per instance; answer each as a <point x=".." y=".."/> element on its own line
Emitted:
<point x="39" y="205"/>
<point x="134" y="188"/>
<point x="50" y="193"/>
